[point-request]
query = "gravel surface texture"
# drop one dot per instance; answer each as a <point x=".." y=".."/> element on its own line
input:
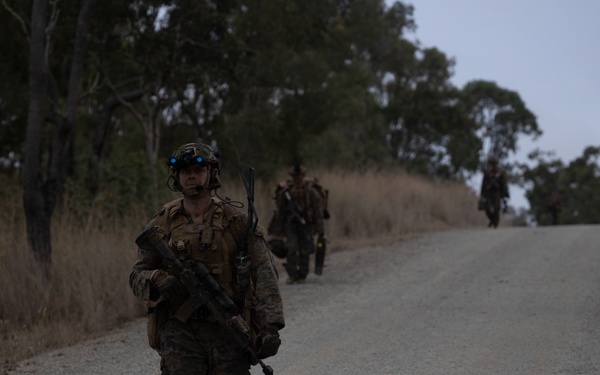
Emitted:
<point x="482" y="301"/>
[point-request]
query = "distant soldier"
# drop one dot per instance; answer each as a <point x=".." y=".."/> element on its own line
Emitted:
<point x="554" y="205"/>
<point x="494" y="191"/>
<point x="298" y="217"/>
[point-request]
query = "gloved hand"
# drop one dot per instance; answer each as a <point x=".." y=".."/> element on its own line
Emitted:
<point x="167" y="285"/>
<point x="268" y="341"/>
<point x="326" y="214"/>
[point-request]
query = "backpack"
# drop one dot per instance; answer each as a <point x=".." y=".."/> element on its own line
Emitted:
<point x="323" y="193"/>
<point x="275" y="227"/>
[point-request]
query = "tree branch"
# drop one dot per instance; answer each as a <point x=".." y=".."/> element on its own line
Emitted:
<point x="19" y="18"/>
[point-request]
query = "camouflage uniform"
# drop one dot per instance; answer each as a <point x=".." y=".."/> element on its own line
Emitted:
<point x="494" y="189"/>
<point x="299" y="237"/>
<point x="200" y="345"/>
<point x="554" y="206"/>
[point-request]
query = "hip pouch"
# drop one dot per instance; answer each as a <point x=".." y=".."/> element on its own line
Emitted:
<point x="157" y="317"/>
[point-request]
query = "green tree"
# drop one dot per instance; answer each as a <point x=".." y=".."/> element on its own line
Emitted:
<point x="430" y="131"/>
<point x="373" y="52"/>
<point x="169" y="70"/>
<point x="539" y="181"/>
<point x="501" y="117"/>
<point x="269" y="82"/>
<point x="578" y="184"/>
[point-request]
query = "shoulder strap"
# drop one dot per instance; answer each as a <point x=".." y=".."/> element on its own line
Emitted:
<point x="161" y="219"/>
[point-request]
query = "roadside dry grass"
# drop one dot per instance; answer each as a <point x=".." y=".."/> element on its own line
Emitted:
<point x="87" y="292"/>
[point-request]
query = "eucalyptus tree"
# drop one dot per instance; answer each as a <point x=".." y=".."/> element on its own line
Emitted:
<point x="169" y="67"/>
<point x="577" y="182"/>
<point x="501" y="118"/>
<point x="580" y="182"/>
<point x="56" y="69"/>
<point x="371" y="49"/>
<point x="429" y="131"/>
<point x="309" y="84"/>
<point x="279" y="95"/>
<point x="539" y="181"/>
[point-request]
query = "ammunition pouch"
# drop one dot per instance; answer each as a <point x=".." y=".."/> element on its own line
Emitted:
<point x="242" y="277"/>
<point x="157" y="317"/>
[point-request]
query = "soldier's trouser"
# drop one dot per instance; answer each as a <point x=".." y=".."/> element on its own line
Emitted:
<point x="300" y="246"/>
<point x="554" y="215"/>
<point x="492" y="208"/>
<point x="200" y="348"/>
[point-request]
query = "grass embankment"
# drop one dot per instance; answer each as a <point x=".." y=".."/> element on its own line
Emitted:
<point x="88" y="292"/>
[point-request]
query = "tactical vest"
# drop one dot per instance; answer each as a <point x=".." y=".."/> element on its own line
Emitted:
<point x="495" y="183"/>
<point x="303" y="199"/>
<point x="213" y="243"/>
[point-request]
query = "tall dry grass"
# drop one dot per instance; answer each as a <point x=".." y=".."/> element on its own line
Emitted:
<point x="88" y="293"/>
<point x="388" y="206"/>
<point x="85" y="292"/>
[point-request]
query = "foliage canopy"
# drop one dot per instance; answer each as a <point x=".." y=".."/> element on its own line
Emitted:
<point x="333" y="83"/>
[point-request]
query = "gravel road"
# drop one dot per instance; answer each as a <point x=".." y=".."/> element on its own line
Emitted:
<point x="482" y="301"/>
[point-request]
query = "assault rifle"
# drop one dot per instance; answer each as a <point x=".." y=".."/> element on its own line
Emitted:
<point x="242" y="260"/>
<point x="205" y="292"/>
<point x="295" y="210"/>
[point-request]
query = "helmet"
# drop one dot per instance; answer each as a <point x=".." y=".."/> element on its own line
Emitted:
<point x="193" y="153"/>
<point x="196" y="154"/>
<point x="297" y="169"/>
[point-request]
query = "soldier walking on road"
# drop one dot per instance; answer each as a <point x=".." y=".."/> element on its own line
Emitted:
<point x="298" y="217"/>
<point x="201" y="229"/>
<point x="554" y="206"/>
<point x="494" y="191"/>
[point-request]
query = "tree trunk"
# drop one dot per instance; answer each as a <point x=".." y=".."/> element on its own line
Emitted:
<point x="41" y="188"/>
<point x="152" y="131"/>
<point x="38" y="218"/>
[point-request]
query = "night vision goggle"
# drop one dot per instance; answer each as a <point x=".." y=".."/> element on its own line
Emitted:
<point x="187" y="158"/>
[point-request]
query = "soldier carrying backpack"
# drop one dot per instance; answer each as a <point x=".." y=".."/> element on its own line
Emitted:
<point x="494" y="191"/>
<point x="301" y="208"/>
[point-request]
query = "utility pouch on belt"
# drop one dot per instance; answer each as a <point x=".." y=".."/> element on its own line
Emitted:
<point x="157" y="316"/>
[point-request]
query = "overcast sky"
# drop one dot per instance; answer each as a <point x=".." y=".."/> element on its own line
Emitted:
<point x="548" y="51"/>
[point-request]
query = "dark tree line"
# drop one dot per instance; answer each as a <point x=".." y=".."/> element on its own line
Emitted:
<point x="93" y="95"/>
<point x="577" y="184"/>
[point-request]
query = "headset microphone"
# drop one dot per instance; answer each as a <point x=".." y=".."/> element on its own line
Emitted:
<point x="202" y="187"/>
